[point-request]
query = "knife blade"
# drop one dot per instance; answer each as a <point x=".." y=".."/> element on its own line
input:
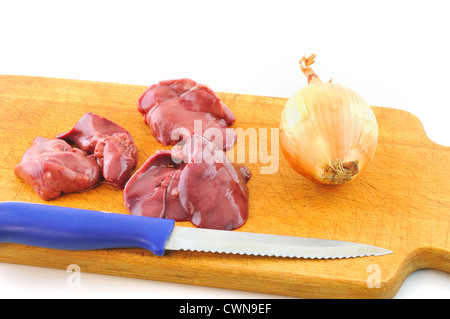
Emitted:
<point x="57" y="227"/>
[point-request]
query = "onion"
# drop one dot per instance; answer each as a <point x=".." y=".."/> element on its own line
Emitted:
<point x="328" y="133"/>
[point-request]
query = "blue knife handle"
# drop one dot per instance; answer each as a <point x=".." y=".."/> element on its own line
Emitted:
<point x="79" y="229"/>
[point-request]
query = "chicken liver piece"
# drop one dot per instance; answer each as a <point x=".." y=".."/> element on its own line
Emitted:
<point x="111" y="144"/>
<point x="53" y="168"/>
<point x="175" y="109"/>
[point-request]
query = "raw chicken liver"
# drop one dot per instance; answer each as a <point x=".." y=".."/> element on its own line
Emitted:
<point x="212" y="190"/>
<point x="153" y="189"/>
<point x="193" y="182"/>
<point x="54" y="168"/>
<point x="111" y="144"/>
<point x="176" y="109"/>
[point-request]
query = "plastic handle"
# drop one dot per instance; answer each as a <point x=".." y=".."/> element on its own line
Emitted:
<point x="79" y="229"/>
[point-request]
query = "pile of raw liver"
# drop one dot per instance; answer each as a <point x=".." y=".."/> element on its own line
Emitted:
<point x="172" y="109"/>
<point x="194" y="181"/>
<point x="104" y="153"/>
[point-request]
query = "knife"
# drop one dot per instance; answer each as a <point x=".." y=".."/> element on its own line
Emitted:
<point x="57" y="227"/>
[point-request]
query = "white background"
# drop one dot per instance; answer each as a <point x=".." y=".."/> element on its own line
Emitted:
<point x="393" y="53"/>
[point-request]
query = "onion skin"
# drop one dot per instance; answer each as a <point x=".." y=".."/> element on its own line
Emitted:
<point x="328" y="133"/>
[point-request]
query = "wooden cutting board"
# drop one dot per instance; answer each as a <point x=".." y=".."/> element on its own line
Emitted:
<point x="401" y="202"/>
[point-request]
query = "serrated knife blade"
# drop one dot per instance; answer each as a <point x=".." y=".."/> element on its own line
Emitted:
<point x="66" y="228"/>
<point x="244" y="243"/>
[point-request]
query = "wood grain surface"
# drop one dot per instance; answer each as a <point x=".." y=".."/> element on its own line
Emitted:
<point x="401" y="201"/>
